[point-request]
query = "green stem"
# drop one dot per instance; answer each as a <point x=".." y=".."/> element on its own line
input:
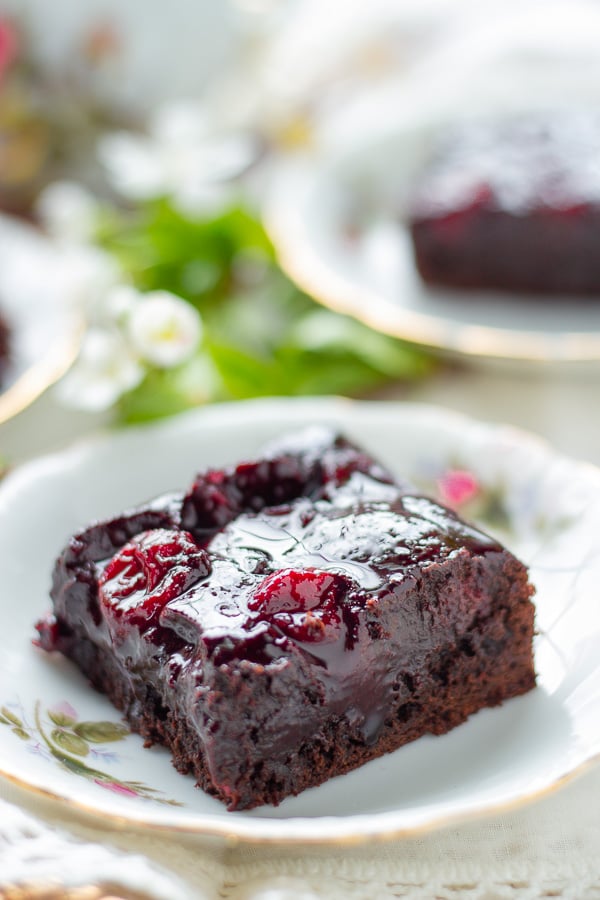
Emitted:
<point x="38" y="725"/>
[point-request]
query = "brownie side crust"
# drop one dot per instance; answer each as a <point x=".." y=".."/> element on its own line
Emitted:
<point x="315" y="616"/>
<point x="495" y="250"/>
<point x="451" y="684"/>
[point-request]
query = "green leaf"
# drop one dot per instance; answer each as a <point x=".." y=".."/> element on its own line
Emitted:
<point x="21" y="733"/>
<point x="245" y="375"/>
<point x="162" y="248"/>
<point x="493" y="509"/>
<point x="331" y="374"/>
<point x="324" y="332"/>
<point x="7" y="714"/>
<point x="101" y="732"/>
<point x="60" y="718"/>
<point x="70" y="742"/>
<point x="263" y="336"/>
<point x="155" y="397"/>
<point x="164" y="393"/>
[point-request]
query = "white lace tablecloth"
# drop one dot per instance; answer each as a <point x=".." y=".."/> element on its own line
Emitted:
<point x="547" y="849"/>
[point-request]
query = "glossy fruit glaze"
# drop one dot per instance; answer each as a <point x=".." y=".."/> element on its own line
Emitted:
<point x="294" y="550"/>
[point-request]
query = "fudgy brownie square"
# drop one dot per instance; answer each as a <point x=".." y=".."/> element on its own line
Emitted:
<point x="291" y="618"/>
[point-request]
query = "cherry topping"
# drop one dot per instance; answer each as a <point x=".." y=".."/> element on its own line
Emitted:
<point x="49" y="632"/>
<point x="153" y="568"/>
<point x="306" y="605"/>
<point x="219" y="495"/>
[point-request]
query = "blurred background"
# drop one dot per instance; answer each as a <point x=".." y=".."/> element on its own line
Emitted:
<point x="217" y="201"/>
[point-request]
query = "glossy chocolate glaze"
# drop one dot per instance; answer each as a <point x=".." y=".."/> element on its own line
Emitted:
<point x="299" y="575"/>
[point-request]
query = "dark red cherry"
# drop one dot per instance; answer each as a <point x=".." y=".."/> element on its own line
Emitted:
<point x="153" y="568"/>
<point x="307" y="605"/>
<point x="218" y="496"/>
<point x="49" y="633"/>
<point x="290" y="590"/>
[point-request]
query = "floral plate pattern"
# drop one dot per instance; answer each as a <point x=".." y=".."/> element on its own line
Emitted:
<point x="68" y="741"/>
<point x="59" y="737"/>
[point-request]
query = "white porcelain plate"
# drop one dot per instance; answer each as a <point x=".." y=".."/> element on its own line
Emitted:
<point x="60" y="738"/>
<point x="38" y="294"/>
<point x="337" y="217"/>
<point x="338" y="229"/>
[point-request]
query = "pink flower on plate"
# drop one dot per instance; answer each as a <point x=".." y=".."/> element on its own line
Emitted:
<point x="456" y="487"/>
<point x="9" y="45"/>
<point x="116" y="788"/>
<point x="65" y="709"/>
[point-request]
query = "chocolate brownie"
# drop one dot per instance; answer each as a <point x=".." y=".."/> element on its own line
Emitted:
<point x="290" y="618"/>
<point x="512" y="205"/>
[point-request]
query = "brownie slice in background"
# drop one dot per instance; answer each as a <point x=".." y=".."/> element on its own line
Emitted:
<point x="512" y="205"/>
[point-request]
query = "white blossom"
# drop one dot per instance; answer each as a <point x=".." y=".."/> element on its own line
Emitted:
<point x="104" y="370"/>
<point x="119" y="303"/>
<point x="186" y="154"/>
<point x="68" y="212"/>
<point x="84" y="275"/>
<point x="163" y="329"/>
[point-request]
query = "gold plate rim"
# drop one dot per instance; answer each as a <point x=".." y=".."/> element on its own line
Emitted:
<point x="212" y="830"/>
<point x="302" y="263"/>
<point x="35" y="380"/>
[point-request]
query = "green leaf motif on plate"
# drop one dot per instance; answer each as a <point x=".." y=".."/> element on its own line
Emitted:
<point x="101" y="732"/>
<point x="21" y="733"/>
<point x="70" y="742"/>
<point x="60" y="718"/>
<point x="8" y="715"/>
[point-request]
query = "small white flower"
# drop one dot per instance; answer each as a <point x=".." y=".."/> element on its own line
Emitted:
<point x="119" y="303"/>
<point x="163" y="329"/>
<point x="186" y="155"/>
<point x="132" y="164"/>
<point x="68" y="212"/>
<point x="104" y="370"/>
<point x="84" y="274"/>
